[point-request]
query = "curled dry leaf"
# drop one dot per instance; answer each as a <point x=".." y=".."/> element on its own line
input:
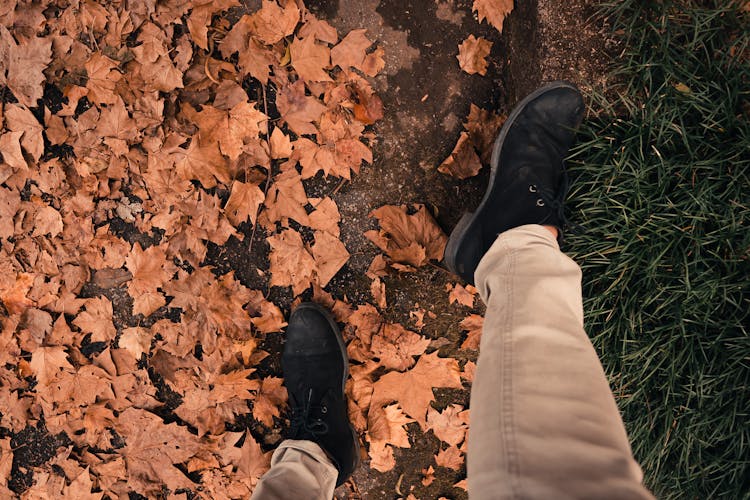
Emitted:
<point x="463" y="161"/>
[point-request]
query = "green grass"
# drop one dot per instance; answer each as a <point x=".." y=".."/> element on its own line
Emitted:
<point x="661" y="184"/>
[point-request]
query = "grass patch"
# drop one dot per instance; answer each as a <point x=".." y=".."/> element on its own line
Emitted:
<point x="662" y="187"/>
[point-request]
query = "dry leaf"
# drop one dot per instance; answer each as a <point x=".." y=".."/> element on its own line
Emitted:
<point x="483" y="127"/>
<point x="271" y="396"/>
<point x="411" y="238"/>
<point x="463" y="161"/>
<point x="243" y="203"/>
<point x="24" y="63"/>
<point x="473" y="324"/>
<point x="450" y="425"/>
<point x="461" y="295"/>
<point x="350" y="52"/>
<point x="494" y="11"/>
<point x="413" y="389"/>
<point x="472" y="54"/>
<point x="310" y="59"/>
<point x="450" y="457"/>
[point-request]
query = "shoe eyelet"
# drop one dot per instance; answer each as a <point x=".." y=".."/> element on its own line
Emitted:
<point x="540" y="202"/>
<point x="532" y="188"/>
<point x="324" y="409"/>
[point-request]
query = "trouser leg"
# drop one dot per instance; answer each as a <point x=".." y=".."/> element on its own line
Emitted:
<point x="544" y="422"/>
<point x="299" y="470"/>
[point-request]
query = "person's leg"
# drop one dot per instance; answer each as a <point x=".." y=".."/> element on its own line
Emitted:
<point x="299" y="469"/>
<point x="544" y="423"/>
<point x="323" y="449"/>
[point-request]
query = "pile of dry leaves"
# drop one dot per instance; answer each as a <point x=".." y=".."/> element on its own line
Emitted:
<point x="193" y="122"/>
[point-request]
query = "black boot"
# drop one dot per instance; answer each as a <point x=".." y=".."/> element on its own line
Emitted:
<point x="315" y="371"/>
<point x="528" y="182"/>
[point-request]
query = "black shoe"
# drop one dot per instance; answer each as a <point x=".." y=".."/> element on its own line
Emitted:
<point x="528" y="182"/>
<point x="315" y="369"/>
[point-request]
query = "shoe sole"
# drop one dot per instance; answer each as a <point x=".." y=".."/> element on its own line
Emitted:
<point x="340" y="339"/>
<point x="467" y="222"/>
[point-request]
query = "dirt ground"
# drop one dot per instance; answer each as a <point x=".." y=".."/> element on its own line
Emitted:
<point x="426" y="98"/>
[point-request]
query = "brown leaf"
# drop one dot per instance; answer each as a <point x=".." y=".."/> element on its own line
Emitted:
<point x="395" y="346"/>
<point x="449" y="426"/>
<point x="450" y="457"/>
<point x="152" y="449"/>
<point x="96" y="319"/>
<point x="273" y="22"/>
<point x="24" y="63"/>
<point x="494" y="11"/>
<point x="413" y="389"/>
<point x="202" y="161"/>
<point x="463" y="161"/>
<point x="281" y="146"/>
<point x="265" y="315"/>
<point x="472" y="53"/>
<point x="330" y="255"/>
<point x="287" y="199"/>
<point x="377" y="290"/>
<point x="381" y="456"/>
<point x="325" y="217"/>
<point x="48" y="362"/>
<point x="291" y="263"/>
<point x="350" y="52"/>
<point x="483" y="127"/>
<point x="271" y="396"/>
<point x="200" y="18"/>
<point x="461" y="295"/>
<point x="410" y="238"/>
<point x="473" y="324"/>
<point x="10" y="147"/>
<point x="18" y="118"/>
<point x="310" y="60"/>
<point x="102" y="79"/>
<point x="243" y="203"/>
<point x="297" y="109"/>
<point x="388" y="427"/>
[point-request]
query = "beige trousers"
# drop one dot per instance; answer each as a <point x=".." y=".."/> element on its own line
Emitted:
<point x="544" y="423"/>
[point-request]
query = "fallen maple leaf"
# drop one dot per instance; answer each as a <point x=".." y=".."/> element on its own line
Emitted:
<point x="330" y="256"/>
<point x="381" y="456"/>
<point x="310" y="59"/>
<point x="461" y="295"/>
<point x="483" y="127"/>
<point x="450" y="457"/>
<point x="291" y="263"/>
<point x="450" y="425"/>
<point x="273" y="22"/>
<point x="18" y="118"/>
<point x="297" y="109"/>
<point x="152" y="449"/>
<point x="388" y="427"/>
<point x="411" y="238"/>
<point x="473" y="324"/>
<point x="472" y="54"/>
<point x="463" y="161"/>
<point x="271" y="396"/>
<point x="96" y="319"/>
<point x="413" y="389"/>
<point x="494" y="11"/>
<point x="22" y="66"/>
<point x="350" y="52"/>
<point x="243" y="203"/>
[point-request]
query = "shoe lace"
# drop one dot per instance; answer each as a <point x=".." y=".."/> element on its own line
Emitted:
<point x="554" y="199"/>
<point x="302" y="418"/>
